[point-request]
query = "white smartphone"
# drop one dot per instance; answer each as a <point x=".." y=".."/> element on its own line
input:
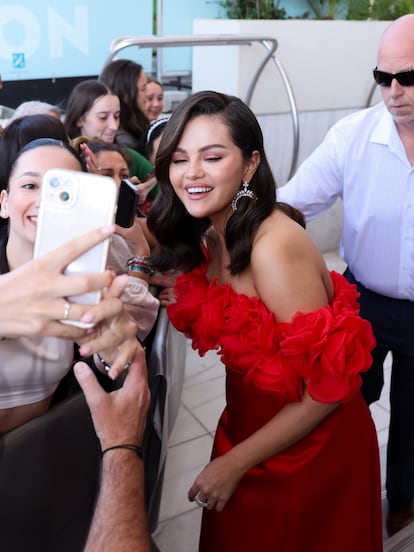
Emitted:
<point x="73" y="203"/>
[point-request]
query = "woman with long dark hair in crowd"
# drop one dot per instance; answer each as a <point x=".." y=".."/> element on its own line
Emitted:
<point x="127" y="79"/>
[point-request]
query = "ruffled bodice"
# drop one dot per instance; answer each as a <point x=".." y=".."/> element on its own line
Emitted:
<point x="324" y="350"/>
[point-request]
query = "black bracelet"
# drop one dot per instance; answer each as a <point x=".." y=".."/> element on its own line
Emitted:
<point x="134" y="448"/>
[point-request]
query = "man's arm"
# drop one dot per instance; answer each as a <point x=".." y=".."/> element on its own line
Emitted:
<point x="119" y="521"/>
<point x="318" y="181"/>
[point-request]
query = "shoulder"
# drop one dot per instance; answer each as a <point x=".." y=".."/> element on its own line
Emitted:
<point x="288" y="269"/>
<point x="138" y="157"/>
<point x="362" y="118"/>
<point x="126" y="139"/>
<point x="283" y="237"/>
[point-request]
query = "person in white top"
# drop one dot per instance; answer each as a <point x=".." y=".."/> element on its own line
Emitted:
<point x="33" y="365"/>
<point x="367" y="159"/>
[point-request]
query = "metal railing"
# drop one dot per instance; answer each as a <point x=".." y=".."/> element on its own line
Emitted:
<point x="269" y="43"/>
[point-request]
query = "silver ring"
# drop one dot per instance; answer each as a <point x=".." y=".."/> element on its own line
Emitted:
<point x="200" y="502"/>
<point x="66" y="311"/>
<point x="127" y="365"/>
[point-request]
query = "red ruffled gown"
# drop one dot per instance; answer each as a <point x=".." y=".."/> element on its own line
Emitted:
<point x="323" y="493"/>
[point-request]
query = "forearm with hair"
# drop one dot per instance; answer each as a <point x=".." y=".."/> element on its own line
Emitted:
<point x="120" y="520"/>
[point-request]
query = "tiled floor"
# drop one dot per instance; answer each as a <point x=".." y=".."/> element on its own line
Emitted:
<point x="192" y="438"/>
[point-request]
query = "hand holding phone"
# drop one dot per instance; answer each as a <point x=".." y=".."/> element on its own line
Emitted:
<point x="73" y="203"/>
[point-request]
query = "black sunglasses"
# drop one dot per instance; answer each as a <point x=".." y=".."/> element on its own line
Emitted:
<point x="405" y="78"/>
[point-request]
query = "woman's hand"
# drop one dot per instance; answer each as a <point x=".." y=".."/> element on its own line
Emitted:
<point x="114" y="338"/>
<point x="164" y="279"/>
<point x="90" y="158"/>
<point x="166" y="297"/>
<point x="33" y="297"/>
<point x="216" y="483"/>
<point x="144" y="189"/>
<point x="142" y="221"/>
<point x="135" y="238"/>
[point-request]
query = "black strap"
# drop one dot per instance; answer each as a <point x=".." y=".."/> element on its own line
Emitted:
<point x="134" y="448"/>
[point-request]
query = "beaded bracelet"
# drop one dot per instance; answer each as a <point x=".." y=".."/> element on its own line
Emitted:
<point x="139" y="268"/>
<point x="144" y="260"/>
<point x="105" y="365"/>
<point x="139" y="264"/>
<point x="134" y="448"/>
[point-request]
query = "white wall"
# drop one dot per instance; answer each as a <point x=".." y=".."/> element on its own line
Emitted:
<point x="329" y="66"/>
<point x="278" y="139"/>
<point x="329" y="63"/>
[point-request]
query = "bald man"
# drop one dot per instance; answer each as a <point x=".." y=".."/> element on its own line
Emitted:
<point x="367" y="159"/>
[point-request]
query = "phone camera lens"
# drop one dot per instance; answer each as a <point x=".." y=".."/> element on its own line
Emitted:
<point x="54" y="182"/>
<point x="64" y="196"/>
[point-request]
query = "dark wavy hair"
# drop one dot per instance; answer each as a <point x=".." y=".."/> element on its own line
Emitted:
<point x="121" y="76"/>
<point x="80" y="101"/>
<point x="20" y="132"/>
<point x="181" y="236"/>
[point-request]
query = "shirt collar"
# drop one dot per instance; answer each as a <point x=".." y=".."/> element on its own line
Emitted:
<point x="385" y="133"/>
<point x="385" y="130"/>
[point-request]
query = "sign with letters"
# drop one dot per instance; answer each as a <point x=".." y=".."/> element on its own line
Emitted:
<point x="53" y="39"/>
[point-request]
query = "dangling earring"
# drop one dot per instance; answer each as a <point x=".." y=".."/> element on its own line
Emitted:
<point x="245" y="192"/>
<point x="3" y="207"/>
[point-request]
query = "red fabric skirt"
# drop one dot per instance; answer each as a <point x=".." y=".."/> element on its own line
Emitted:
<point x="321" y="495"/>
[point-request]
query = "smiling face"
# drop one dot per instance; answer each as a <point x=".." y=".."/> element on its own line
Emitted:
<point x="155" y="100"/>
<point x="207" y="168"/>
<point x="113" y="164"/>
<point x="21" y="203"/>
<point x="102" y="120"/>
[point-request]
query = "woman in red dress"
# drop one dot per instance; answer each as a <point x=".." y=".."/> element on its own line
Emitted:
<point x="295" y="459"/>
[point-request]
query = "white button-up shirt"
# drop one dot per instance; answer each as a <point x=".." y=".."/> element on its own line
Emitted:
<point x="363" y="161"/>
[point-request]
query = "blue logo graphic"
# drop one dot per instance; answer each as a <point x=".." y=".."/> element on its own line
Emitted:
<point x="19" y="61"/>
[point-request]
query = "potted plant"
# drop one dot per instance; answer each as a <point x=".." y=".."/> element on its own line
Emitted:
<point x="381" y="10"/>
<point x="253" y="9"/>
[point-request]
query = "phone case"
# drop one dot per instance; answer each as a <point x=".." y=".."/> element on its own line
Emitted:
<point x="73" y="203"/>
<point x="127" y="204"/>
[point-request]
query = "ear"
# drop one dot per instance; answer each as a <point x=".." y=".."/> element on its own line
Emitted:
<point x="79" y="122"/>
<point x="251" y="166"/>
<point x="4" y="212"/>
